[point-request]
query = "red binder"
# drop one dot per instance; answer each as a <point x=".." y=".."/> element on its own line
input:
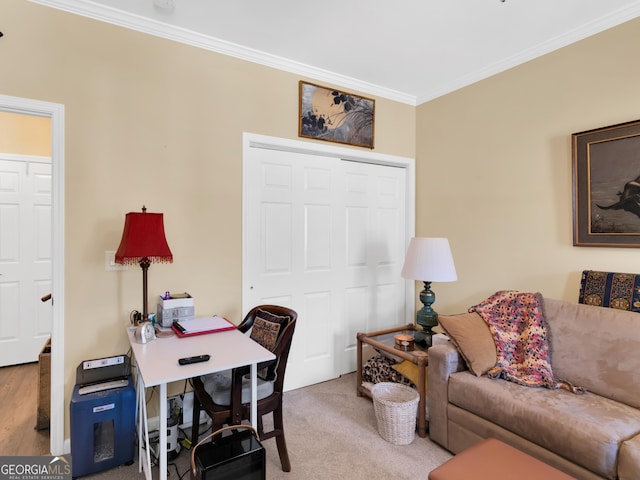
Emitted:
<point x="201" y="326"/>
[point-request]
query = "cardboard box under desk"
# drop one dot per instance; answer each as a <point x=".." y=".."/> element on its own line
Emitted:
<point x="44" y="387"/>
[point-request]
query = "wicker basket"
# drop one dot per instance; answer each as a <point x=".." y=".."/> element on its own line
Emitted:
<point x="396" y="407"/>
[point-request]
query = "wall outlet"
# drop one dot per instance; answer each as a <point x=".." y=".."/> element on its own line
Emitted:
<point x="110" y="264"/>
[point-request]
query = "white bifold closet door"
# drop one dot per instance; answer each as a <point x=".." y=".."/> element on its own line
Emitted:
<point x="325" y="237"/>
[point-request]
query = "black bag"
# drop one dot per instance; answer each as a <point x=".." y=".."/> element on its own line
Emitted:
<point x="238" y="456"/>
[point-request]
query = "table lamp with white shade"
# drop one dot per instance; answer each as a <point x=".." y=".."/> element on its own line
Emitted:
<point x="428" y="260"/>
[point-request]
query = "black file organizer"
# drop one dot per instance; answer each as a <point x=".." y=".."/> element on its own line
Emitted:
<point x="239" y="456"/>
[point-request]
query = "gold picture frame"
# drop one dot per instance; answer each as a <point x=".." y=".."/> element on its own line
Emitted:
<point x="606" y="186"/>
<point x="335" y="116"/>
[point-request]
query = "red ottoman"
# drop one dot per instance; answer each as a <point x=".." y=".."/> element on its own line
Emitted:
<point x="492" y="459"/>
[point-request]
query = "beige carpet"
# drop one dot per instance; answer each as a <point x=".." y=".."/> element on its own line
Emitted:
<point x="331" y="434"/>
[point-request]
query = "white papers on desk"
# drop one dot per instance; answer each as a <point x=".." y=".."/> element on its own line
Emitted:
<point x="213" y="323"/>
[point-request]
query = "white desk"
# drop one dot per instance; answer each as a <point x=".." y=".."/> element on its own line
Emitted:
<point x="157" y="363"/>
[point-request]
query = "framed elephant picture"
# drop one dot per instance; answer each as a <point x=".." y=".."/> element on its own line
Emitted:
<point x="606" y="186"/>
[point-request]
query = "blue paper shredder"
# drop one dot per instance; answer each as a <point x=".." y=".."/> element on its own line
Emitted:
<point x="102" y="429"/>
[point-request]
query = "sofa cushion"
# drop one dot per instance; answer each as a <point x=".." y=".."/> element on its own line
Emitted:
<point x="629" y="462"/>
<point x="471" y="336"/>
<point x="595" y="348"/>
<point x="586" y="429"/>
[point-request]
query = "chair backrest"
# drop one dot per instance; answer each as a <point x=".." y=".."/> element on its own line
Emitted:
<point x="283" y="344"/>
<point x="278" y="310"/>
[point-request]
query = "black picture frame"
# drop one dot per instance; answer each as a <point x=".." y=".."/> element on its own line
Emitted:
<point x="606" y="186"/>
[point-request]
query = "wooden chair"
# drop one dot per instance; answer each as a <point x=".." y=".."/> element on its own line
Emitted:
<point x="226" y="396"/>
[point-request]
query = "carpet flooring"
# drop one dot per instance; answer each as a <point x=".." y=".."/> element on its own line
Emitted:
<point x="331" y="434"/>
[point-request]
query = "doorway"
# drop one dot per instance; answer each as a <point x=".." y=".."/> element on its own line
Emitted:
<point x="325" y="231"/>
<point x="25" y="240"/>
<point x="55" y="112"/>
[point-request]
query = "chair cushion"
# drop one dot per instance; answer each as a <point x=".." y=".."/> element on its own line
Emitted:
<point x="218" y="386"/>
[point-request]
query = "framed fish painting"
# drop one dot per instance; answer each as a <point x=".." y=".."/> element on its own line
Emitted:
<point x="606" y="186"/>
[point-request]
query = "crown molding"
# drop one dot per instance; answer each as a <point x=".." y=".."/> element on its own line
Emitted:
<point x="603" y="23"/>
<point x="138" y="23"/>
<point x="113" y="16"/>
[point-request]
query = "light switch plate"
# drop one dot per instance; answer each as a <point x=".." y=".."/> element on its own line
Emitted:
<point x="110" y="264"/>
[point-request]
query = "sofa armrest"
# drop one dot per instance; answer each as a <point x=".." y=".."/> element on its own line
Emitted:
<point x="444" y="360"/>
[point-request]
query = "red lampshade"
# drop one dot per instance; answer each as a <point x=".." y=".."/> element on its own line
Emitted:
<point x="143" y="237"/>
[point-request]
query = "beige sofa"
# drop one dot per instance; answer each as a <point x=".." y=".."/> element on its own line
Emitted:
<point x="589" y="436"/>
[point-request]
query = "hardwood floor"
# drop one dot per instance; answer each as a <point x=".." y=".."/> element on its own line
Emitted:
<point x="18" y="404"/>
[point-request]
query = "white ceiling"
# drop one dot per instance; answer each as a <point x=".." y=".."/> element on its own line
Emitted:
<point x="407" y="50"/>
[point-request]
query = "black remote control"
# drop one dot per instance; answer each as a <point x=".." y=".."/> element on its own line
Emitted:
<point x="197" y="359"/>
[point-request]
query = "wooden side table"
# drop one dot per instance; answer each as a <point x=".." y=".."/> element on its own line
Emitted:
<point x="383" y="340"/>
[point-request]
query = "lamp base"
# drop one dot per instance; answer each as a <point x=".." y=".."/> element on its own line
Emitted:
<point x="423" y="337"/>
<point x="426" y="317"/>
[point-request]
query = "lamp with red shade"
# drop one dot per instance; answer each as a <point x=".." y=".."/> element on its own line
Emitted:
<point x="143" y="242"/>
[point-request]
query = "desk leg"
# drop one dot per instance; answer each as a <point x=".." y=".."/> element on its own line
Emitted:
<point x="163" y="432"/>
<point x="254" y="395"/>
<point x="143" y="432"/>
<point x="359" y="365"/>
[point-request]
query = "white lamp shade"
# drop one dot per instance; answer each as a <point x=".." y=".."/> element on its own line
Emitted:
<point x="429" y="260"/>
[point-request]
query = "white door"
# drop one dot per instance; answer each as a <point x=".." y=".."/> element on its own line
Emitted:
<point x="374" y="202"/>
<point x="25" y="257"/>
<point x="325" y="237"/>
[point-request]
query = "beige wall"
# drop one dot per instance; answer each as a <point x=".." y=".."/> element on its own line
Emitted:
<point x="153" y="122"/>
<point x="494" y="169"/>
<point x="156" y="123"/>
<point x="25" y="134"/>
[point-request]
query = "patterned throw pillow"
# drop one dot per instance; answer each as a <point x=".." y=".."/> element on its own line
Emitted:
<point x="610" y="289"/>
<point x="271" y="317"/>
<point x="265" y="333"/>
<point x="266" y="330"/>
